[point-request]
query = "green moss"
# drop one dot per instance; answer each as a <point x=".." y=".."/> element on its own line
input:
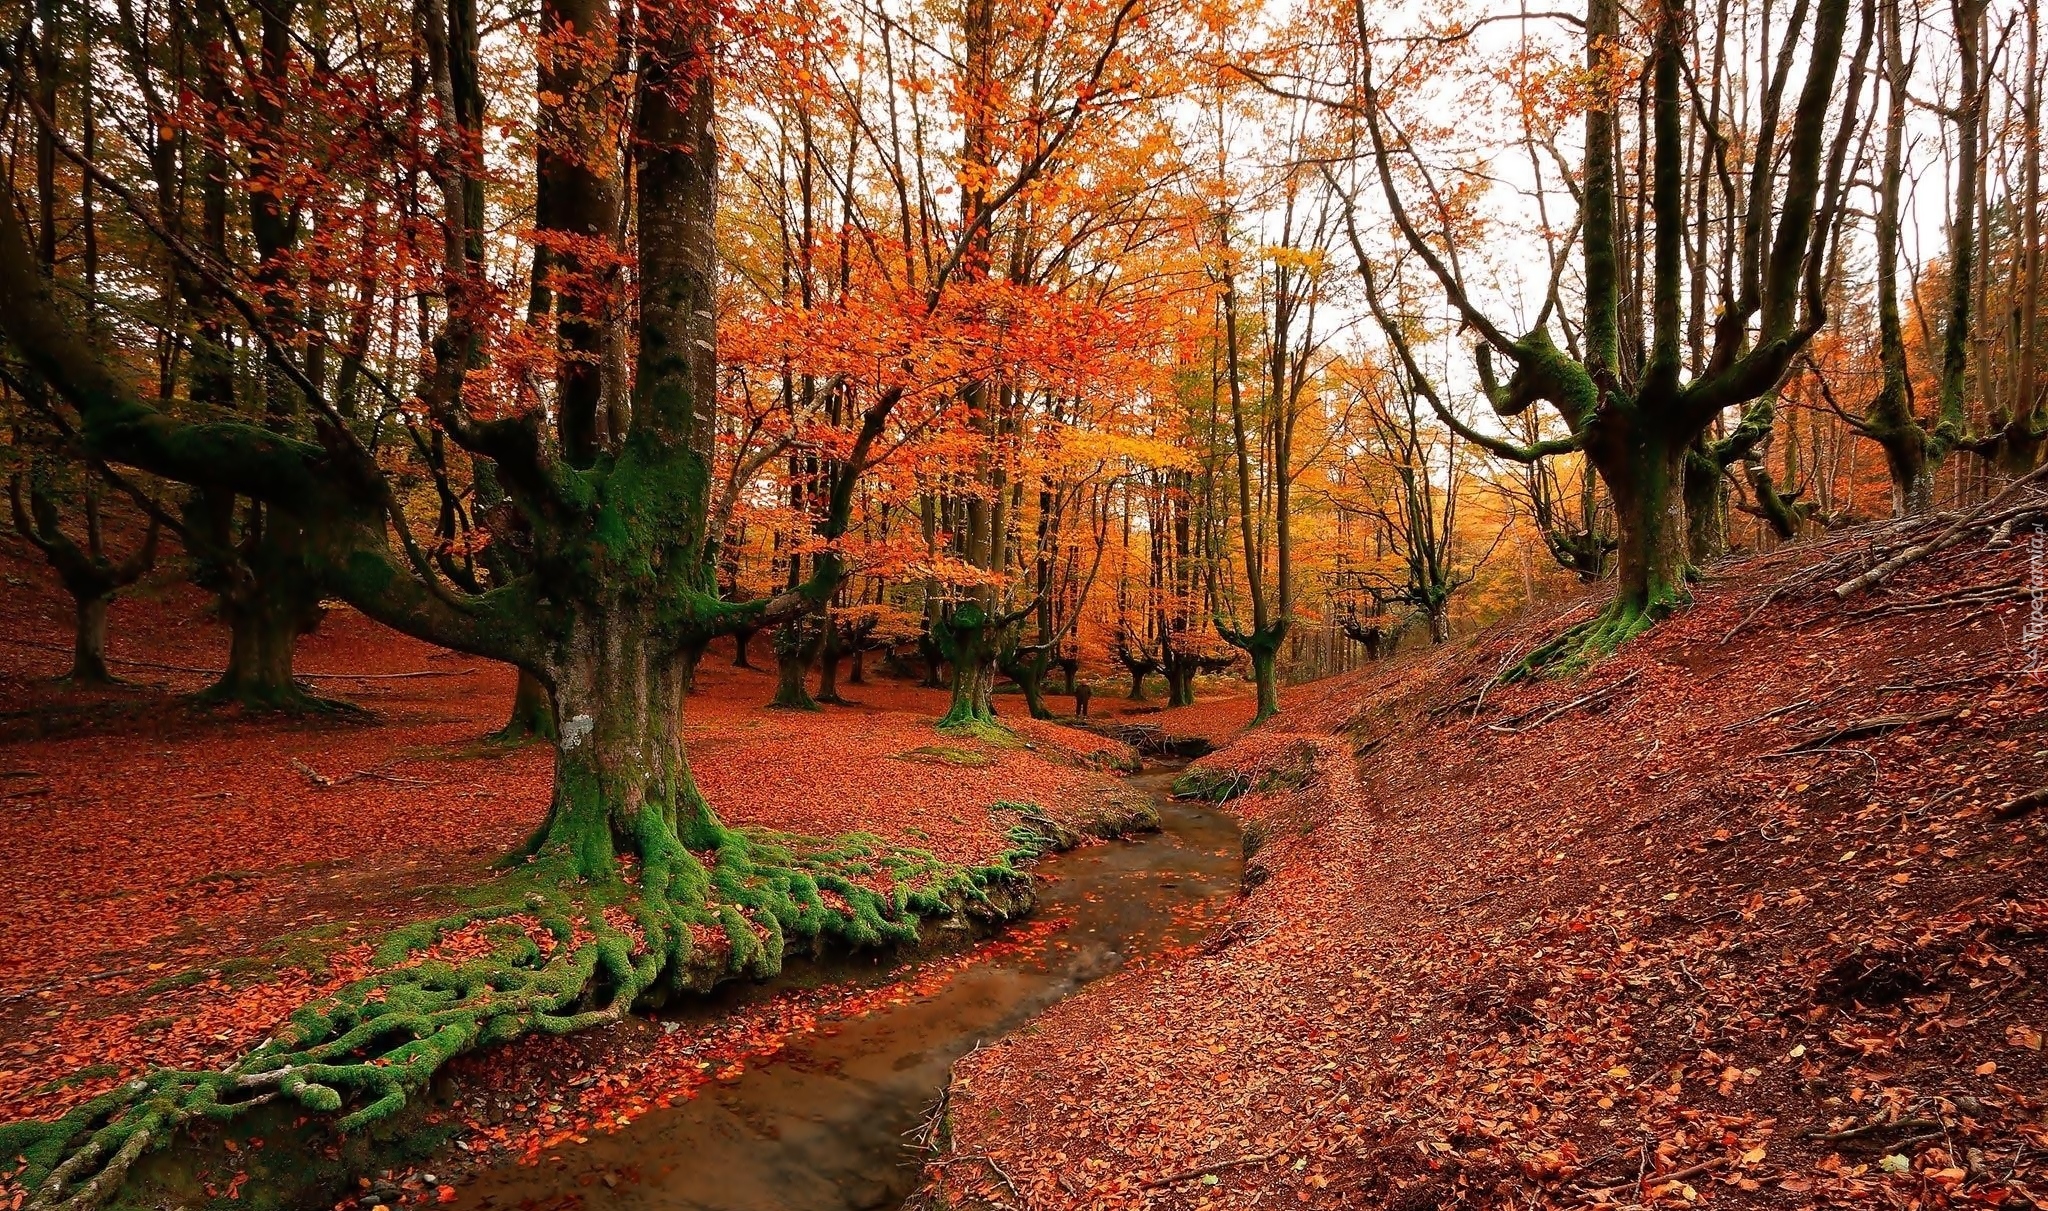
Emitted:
<point x="945" y="754"/>
<point x="1581" y="645"/>
<point x="969" y="724"/>
<point x="1294" y="770"/>
<point x="365" y="1052"/>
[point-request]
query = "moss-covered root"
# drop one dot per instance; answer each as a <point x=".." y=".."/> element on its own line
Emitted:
<point x="548" y="953"/>
<point x="1294" y="769"/>
<point x="1582" y="644"/>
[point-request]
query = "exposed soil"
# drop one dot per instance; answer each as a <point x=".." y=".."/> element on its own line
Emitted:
<point x="1737" y="921"/>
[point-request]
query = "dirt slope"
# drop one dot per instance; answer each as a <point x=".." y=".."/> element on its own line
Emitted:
<point x="1733" y="917"/>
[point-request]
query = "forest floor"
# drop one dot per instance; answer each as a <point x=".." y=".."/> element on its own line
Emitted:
<point x="1753" y="912"/>
<point x="178" y="879"/>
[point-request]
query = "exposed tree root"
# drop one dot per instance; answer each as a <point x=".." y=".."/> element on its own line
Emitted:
<point x="543" y="951"/>
<point x="1583" y="643"/>
<point x="291" y="699"/>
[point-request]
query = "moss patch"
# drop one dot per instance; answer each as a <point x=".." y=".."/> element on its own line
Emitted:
<point x="946" y="754"/>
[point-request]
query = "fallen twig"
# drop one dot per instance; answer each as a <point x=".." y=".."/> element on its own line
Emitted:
<point x="1907" y="686"/>
<point x="1676" y="1175"/>
<point x="1946" y="539"/>
<point x="2023" y="802"/>
<point x="1236" y="1162"/>
<point x="1904" y="1126"/>
<point x="1773" y="714"/>
<point x="1985" y="595"/>
<point x="1876" y="725"/>
<point x="1516" y="724"/>
<point x="322" y="780"/>
<point x="1822" y="752"/>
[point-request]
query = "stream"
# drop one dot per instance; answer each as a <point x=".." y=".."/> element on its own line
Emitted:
<point x="824" y="1126"/>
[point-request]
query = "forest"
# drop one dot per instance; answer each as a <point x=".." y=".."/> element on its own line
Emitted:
<point x="984" y="604"/>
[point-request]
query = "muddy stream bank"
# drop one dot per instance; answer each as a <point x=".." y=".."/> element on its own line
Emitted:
<point x="826" y="1125"/>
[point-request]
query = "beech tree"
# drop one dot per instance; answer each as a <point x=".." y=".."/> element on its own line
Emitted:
<point x="608" y="491"/>
<point x="85" y="568"/>
<point x="1620" y="378"/>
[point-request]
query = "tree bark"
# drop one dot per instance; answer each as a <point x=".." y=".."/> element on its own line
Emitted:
<point x="264" y="634"/>
<point x="796" y="646"/>
<point x="1645" y="477"/>
<point x="1706" y="506"/>
<point x="1440" y="622"/>
<point x="533" y="717"/>
<point x="622" y="783"/>
<point x="89" y="640"/>
<point x="969" y="644"/>
<point x="828" y="663"/>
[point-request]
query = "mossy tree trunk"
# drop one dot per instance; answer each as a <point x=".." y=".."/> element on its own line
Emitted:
<point x="264" y="629"/>
<point x="970" y="640"/>
<point x="1028" y="670"/>
<point x="1706" y="506"/>
<point x="1269" y="624"/>
<point x="1653" y="564"/>
<point x="1180" y="681"/>
<point x="257" y="559"/>
<point x="622" y="782"/>
<point x="1636" y="417"/>
<point x="1439" y="616"/>
<point x="1913" y="451"/>
<point x="796" y="648"/>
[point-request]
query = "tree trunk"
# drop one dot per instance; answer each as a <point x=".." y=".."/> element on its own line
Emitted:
<point x="1266" y="676"/>
<point x="1653" y="537"/>
<point x="796" y="645"/>
<point x="533" y="718"/>
<point x="89" y="640"/>
<point x="1913" y="475"/>
<point x="622" y="783"/>
<point x="740" y="639"/>
<point x="1029" y="674"/>
<point x="857" y="674"/>
<point x="1138" y="683"/>
<point x="970" y="649"/>
<point x="828" y="664"/>
<point x="928" y="647"/>
<point x="1440" y="622"/>
<point x="1706" y="509"/>
<point x="1180" y="683"/>
<point x="693" y="655"/>
<point x="265" y="617"/>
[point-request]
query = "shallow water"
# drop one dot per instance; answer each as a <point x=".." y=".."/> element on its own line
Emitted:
<point x="824" y="1126"/>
